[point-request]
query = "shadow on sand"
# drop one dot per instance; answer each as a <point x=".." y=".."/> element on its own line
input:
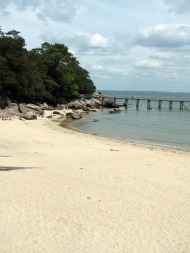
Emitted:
<point x="12" y="168"/>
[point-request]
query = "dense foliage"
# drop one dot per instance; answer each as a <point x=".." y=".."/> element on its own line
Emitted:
<point x="48" y="74"/>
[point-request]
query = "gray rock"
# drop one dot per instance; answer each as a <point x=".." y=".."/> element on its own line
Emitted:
<point x="29" y="116"/>
<point x="24" y="108"/>
<point x="36" y="108"/>
<point x="47" y="107"/>
<point x="78" y="104"/>
<point x="115" y="110"/>
<point x="57" y="113"/>
<point x="93" y="103"/>
<point x="93" y="110"/>
<point x="110" y="104"/>
<point x="12" y="109"/>
<point x="74" y="115"/>
<point x="60" y="107"/>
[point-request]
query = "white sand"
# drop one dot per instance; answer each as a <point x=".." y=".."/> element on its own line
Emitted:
<point x="81" y="197"/>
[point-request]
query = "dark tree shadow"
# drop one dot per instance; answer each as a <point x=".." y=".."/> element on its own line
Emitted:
<point x="12" y="168"/>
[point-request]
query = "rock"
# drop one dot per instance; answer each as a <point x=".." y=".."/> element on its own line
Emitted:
<point x="33" y="107"/>
<point x="78" y="104"/>
<point x="12" y="109"/>
<point x="49" y="117"/>
<point x="45" y="106"/>
<point x="115" y="110"/>
<point x="57" y="113"/>
<point x="24" y="108"/>
<point x="60" y="107"/>
<point x="85" y="104"/>
<point x="93" y="110"/>
<point x="95" y="120"/>
<point x="13" y="105"/>
<point x="110" y="104"/>
<point x="93" y="103"/>
<point x="86" y="109"/>
<point x="36" y="108"/>
<point x="74" y="115"/>
<point x="29" y="116"/>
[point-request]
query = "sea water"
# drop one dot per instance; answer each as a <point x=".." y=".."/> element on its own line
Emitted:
<point x="165" y="127"/>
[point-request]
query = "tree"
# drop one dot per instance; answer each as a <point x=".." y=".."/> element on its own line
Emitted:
<point x="48" y="74"/>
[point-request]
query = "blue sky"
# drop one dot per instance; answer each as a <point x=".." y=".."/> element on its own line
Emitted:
<point x="125" y="44"/>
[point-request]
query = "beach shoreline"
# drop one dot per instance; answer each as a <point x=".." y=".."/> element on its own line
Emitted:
<point x="64" y="190"/>
<point x="68" y="124"/>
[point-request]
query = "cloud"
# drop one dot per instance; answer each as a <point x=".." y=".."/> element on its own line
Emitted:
<point x="88" y="42"/>
<point x="150" y="62"/>
<point x="165" y="36"/>
<point x="178" y="6"/>
<point x="84" y="43"/>
<point x="55" y="10"/>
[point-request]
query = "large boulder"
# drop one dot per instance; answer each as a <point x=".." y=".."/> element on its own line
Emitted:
<point x="93" y="103"/>
<point x="24" y="108"/>
<point x="77" y="104"/>
<point x="12" y="109"/>
<point x="60" y="107"/>
<point x="29" y="116"/>
<point x="45" y="106"/>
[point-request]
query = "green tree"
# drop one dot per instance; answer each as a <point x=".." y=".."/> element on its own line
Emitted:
<point x="48" y="74"/>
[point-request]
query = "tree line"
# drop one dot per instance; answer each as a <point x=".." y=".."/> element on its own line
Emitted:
<point x="48" y="74"/>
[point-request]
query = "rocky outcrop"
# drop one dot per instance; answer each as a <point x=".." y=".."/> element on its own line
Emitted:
<point x="85" y="104"/>
<point x="77" y="104"/>
<point x="93" y="103"/>
<point x="72" y="110"/>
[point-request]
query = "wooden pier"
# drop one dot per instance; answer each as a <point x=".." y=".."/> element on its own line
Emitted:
<point x="124" y="101"/>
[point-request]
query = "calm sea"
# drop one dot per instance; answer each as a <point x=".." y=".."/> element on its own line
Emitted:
<point x="167" y="128"/>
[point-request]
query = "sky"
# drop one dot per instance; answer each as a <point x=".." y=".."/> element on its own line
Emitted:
<point x="124" y="44"/>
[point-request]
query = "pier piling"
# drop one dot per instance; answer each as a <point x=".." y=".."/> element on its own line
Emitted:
<point x="102" y="101"/>
<point x="160" y="105"/>
<point x="170" y="105"/>
<point x="137" y="104"/>
<point x="126" y="103"/>
<point x="148" y="104"/>
<point x="181" y="105"/>
<point x="115" y="101"/>
<point x="118" y="101"/>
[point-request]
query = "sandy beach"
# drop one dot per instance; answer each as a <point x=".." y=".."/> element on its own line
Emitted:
<point x="64" y="191"/>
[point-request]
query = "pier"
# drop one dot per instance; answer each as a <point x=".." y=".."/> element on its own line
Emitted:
<point x="124" y="101"/>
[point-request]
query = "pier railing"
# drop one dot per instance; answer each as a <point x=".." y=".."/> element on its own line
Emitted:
<point x="124" y="101"/>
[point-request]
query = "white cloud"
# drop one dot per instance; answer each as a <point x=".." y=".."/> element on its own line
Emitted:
<point x="151" y="62"/>
<point x="82" y="43"/>
<point x="165" y="36"/>
<point x="97" y="40"/>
